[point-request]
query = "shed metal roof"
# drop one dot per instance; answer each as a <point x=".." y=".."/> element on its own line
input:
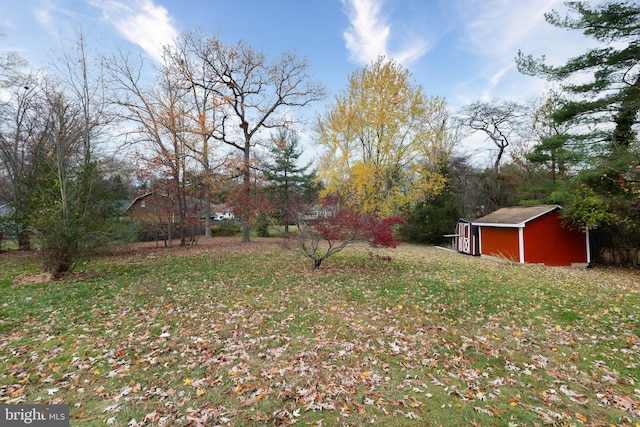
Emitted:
<point x="516" y="216"/>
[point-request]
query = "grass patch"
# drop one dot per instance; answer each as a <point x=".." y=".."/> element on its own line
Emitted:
<point x="249" y="334"/>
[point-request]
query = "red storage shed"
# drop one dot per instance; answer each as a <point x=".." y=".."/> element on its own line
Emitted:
<point x="532" y="234"/>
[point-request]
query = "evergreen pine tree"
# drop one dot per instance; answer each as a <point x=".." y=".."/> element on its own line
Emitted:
<point x="602" y="114"/>
<point x="291" y="187"/>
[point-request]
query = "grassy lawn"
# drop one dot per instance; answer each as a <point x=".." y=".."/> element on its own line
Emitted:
<point x="226" y="333"/>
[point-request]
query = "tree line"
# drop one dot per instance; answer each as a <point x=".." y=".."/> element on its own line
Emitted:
<point x="220" y="123"/>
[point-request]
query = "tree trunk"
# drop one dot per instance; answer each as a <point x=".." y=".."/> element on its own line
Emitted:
<point x="24" y="241"/>
<point x="207" y="222"/>
<point x="246" y="179"/>
<point x="245" y="232"/>
<point x="624" y="134"/>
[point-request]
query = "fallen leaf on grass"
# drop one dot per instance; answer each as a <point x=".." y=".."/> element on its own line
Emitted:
<point x="548" y="416"/>
<point x="567" y="392"/>
<point x="483" y="411"/>
<point x="111" y="409"/>
<point x="581" y="418"/>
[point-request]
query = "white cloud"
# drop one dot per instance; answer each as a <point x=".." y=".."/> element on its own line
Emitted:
<point x="498" y="28"/>
<point x="141" y="22"/>
<point x="47" y="13"/>
<point x="492" y="33"/>
<point x="412" y="52"/>
<point x="369" y="35"/>
<point x="5" y="95"/>
<point x="43" y="16"/>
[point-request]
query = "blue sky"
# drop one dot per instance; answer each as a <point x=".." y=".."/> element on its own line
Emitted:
<point x="462" y="50"/>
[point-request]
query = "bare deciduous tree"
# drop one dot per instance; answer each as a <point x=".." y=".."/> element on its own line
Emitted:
<point x="252" y="93"/>
<point x="19" y="144"/>
<point x="498" y="120"/>
<point x="203" y="104"/>
<point x="10" y="66"/>
<point x="160" y="114"/>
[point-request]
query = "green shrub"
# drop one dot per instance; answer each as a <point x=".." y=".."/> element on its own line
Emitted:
<point x="226" y="228"/>
<point x="262" y="225"/>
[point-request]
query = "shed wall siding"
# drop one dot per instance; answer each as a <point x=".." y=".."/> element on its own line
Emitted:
<point x="546" y="241"/>
<point x="500" y="242"/>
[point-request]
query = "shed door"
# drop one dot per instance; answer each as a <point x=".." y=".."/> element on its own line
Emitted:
<point x="464" y="237"/>
<point x="467" y="238"/>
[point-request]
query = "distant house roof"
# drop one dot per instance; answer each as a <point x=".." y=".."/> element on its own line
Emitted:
<point x="140" y="197"/>
<point x="193" y="204"/>
<point x="515" y="216"/>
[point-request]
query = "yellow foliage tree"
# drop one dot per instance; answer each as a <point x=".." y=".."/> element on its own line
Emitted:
<point x="384" y="142"/>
